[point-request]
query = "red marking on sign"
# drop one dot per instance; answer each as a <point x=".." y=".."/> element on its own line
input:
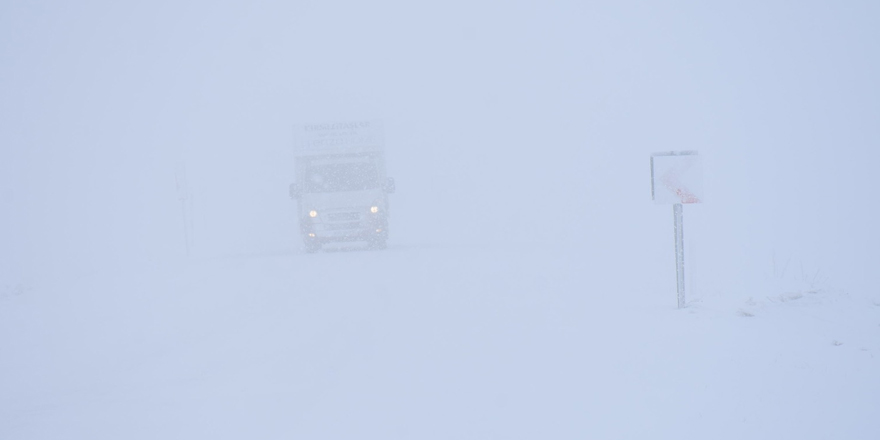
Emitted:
<point x="671" y="182"/>
<point x="686" y="196"/>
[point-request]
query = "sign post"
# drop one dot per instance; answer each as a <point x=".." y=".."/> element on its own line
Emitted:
<point x="676" y="179"/>
<point x="679" y="253"/>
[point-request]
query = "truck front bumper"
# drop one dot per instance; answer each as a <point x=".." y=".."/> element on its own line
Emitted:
<point x="371" y="228"/>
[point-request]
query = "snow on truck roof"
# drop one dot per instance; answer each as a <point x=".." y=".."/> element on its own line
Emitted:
<point x="340" y="137"/>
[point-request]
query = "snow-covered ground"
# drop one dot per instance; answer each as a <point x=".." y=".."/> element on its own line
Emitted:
<point x="427" y="341"/>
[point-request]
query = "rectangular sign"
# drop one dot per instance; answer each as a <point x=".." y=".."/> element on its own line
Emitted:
<point x="676" y="177"/>
<point x="340" y="137"/>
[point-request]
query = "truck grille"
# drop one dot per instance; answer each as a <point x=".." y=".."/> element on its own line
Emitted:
<point x="343" y="226"/>
<point x="343" y="216"/>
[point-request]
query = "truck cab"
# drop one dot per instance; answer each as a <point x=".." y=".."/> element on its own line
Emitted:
<point x="340" y="185"/>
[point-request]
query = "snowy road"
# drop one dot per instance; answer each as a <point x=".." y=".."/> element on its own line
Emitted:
<point x="428" y="342"/>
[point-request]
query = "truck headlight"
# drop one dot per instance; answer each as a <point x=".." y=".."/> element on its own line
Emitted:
<point x="374" y="209"/>
<point x="313" y="213"/>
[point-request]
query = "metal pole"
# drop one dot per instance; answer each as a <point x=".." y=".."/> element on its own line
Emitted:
<point x="679" y="253"/>
<point x="185" y="229"/>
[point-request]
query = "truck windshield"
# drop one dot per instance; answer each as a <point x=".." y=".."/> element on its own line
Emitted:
<point x="335" y="177"/>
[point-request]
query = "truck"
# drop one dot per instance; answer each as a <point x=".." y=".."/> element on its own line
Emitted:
<point x="340" y="184"/>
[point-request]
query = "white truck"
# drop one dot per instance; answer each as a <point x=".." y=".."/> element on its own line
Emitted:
<point x="340" y="184"/>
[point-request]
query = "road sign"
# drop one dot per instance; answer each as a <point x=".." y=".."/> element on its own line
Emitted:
<point x="676" y="177"/>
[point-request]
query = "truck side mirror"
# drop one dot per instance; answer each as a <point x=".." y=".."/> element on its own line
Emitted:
<point x="295" y="191"/>
<point x="389" y="185"/>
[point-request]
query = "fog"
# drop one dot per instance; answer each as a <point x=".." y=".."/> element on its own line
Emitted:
<point x="519" y="122"/>
<point x="508" y="125"/>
